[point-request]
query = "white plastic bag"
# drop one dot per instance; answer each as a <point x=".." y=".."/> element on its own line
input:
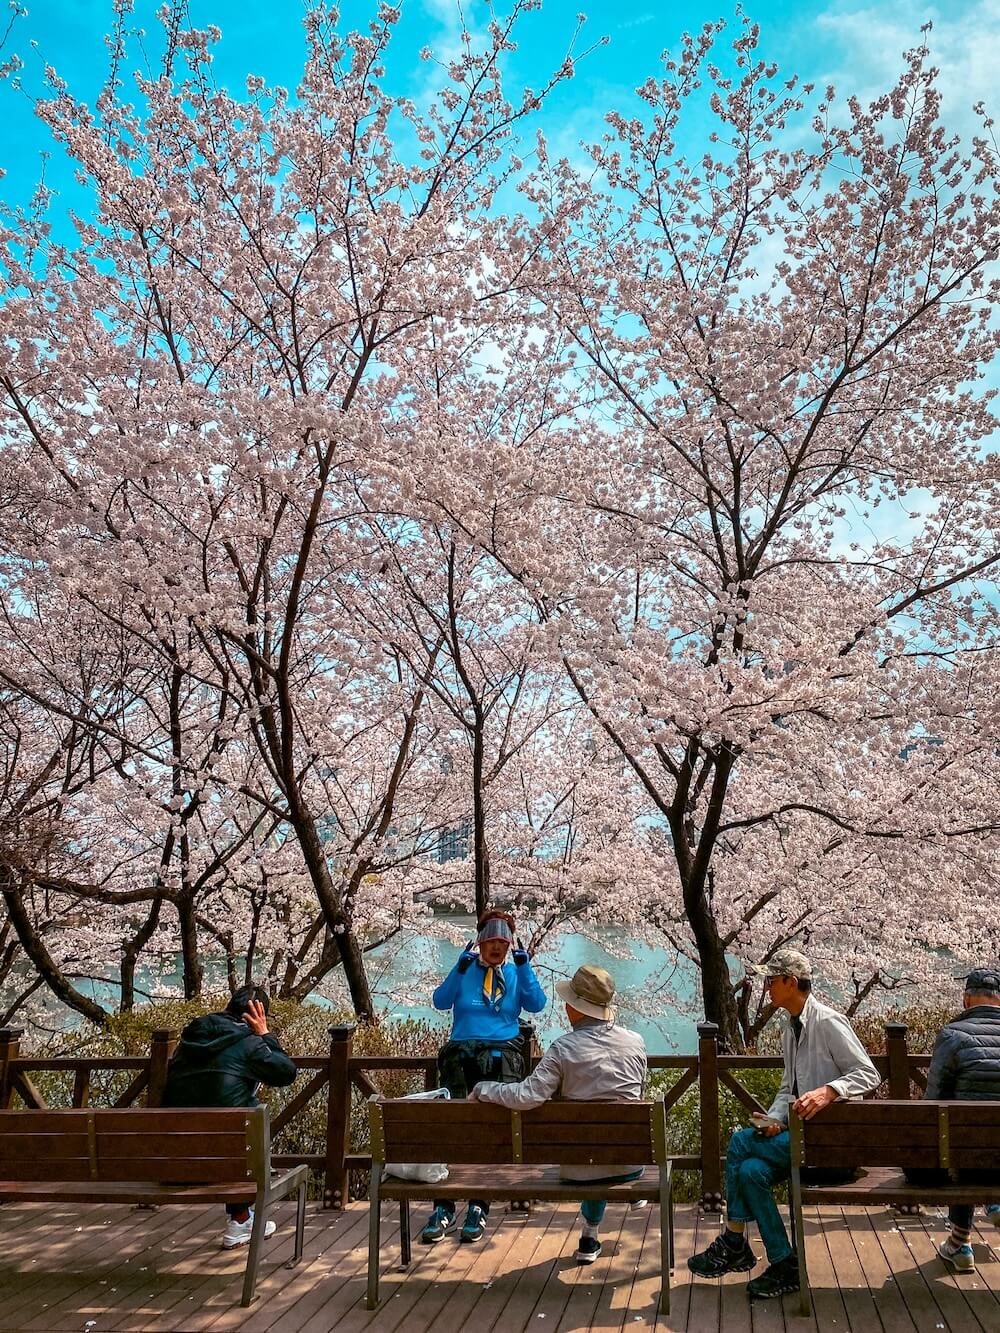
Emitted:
<point x="426" y="1173"/>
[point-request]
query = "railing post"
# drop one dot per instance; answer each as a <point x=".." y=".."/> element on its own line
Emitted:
<point x="10" y="1045"/>
<point x="338" y="1117"/>
<point x="897" y="1058"/>
<point x="708" y="1088"/>
<point x="161" y="1048"/>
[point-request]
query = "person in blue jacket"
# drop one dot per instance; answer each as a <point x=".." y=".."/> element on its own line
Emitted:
<point x="487" y="995"/>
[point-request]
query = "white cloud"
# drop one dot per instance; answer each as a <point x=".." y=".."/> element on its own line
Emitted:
<point x="868" y="42"/>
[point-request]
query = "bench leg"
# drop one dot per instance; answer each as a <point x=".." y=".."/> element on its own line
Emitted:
<point x="670" y="1226"/>
<point x="374" y="1237"/>
<point x="666" y="1236"/>
<point x="253" y="1255"/>
<point x="798" y="1230"/>
<point x="404" y="1232"/>
<point x="300" y="1224"/>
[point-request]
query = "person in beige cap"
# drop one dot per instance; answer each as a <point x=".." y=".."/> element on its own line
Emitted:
<point x="597" y="1061"/>
<point x="824" y="1060"/>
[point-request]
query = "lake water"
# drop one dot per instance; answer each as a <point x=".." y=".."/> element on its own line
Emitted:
<point x="659" y="996"/>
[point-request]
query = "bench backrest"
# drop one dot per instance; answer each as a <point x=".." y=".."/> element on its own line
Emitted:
<point x="179" y="1147"/>
<point x="961" y="1135"/>
<point x="563" y="1133"/>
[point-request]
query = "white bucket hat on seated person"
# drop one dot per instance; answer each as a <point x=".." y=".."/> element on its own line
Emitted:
<point x="590" y="992"/>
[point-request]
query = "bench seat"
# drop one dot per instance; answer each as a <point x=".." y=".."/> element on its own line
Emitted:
<point x="512" y="1183"/>
<point x="887" y="1185"/>
<point x="123" y="1191"/>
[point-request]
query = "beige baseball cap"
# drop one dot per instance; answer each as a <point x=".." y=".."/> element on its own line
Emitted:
<point x="784" y="963"/>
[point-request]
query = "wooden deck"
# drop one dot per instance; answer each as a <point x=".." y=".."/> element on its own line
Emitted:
<point x="94" y="1269"/>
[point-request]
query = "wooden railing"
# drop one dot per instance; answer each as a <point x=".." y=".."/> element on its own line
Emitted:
<point x="334" y="1075"/>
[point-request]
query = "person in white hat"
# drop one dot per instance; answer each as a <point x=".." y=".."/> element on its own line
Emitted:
<point x="597" y="1061"/>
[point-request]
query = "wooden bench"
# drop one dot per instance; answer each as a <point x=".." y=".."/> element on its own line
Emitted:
<point x="497" y="1154"/>
<point x="149" y="1156"/>
<point x="881" y="1139"/>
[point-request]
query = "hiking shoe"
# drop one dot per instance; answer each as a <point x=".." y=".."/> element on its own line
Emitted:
<point x="239" y="1233"/>
<point x="474" y="1225"/>
<point x="588" y="1250"/>
<point x="959" y="1258"/>
<point x="993" y="1213"/>
<point x="721" y="1257"/>
<point x="777" y="1280"/>
<point x="438" y="1225"/>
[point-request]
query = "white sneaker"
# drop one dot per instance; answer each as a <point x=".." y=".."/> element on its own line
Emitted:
<point x="637" y="1205"/>
<point x="959" y="1258"/>
<point x="238" y="1233"/>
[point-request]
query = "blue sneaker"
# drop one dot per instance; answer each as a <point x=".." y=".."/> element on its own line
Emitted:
<point x="438" y="1225"/>
<point x="959" y="1258"/>
<point x="474" y="1225"/>
<point x="993" y="1213"/>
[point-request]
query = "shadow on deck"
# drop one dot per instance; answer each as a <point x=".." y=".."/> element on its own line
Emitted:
<point x="95" y="1269"/>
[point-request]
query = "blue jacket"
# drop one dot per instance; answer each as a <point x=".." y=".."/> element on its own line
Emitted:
<point x="475" y="1020"/>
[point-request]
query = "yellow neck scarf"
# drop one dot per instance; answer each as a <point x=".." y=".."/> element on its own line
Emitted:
<point x="494" y="987"/>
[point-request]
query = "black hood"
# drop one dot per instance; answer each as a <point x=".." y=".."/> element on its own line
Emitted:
<point x="206" y="1038"/>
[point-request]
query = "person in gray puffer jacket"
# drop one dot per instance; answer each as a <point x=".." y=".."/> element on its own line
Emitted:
<point x="965" y="1066"/>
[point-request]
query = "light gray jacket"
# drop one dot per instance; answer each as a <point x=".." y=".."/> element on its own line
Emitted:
<point x="595" y="1062"/>
<point x="828" y="1052"/>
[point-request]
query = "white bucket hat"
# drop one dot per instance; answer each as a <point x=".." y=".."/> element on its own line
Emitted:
<point x="591" y="992"/>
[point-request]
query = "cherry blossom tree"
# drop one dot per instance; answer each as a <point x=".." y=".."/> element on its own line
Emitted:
<point x="210" y="384"/>
<point x="770" y="539"/>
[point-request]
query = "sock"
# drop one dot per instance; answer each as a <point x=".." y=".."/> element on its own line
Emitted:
<point x="733" y="1238"/>
<point x="242" y="1216"/>
<point x="960" y="1236"/>
<point x="588" y="1232"/>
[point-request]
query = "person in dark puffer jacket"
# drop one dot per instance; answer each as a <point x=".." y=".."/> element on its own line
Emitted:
<point x="965" y="1066"/>
<point x="221" y="1060"/>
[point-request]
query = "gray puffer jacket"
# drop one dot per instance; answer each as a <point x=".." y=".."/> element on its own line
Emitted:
<point x="965" y="1065"/>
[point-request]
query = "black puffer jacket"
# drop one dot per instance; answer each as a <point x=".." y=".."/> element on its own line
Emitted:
<point x="220" y="1062"/>
<point x="965" y="1065"/>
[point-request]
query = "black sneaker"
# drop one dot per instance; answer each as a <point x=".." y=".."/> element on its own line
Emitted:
<point x="474" y="1225"/>
<point x="438" y="1225"/>
<point x="778" y="1280"/>
<point x="588" y="1250"/>
<point x="721" y="1257"/>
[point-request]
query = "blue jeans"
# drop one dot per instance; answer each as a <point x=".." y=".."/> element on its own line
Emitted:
<point x="754" y="1165"/>
<point x="593" y="1209"/>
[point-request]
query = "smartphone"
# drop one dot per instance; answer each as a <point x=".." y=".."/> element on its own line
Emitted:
<point x="761" y="1121"/>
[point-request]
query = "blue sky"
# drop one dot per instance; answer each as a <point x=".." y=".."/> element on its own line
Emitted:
<point x="854" y="43"/>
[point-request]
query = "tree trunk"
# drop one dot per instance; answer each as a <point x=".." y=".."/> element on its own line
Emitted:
<point x="43" y="962"/>
<point x="194" y="973"/>
<point x="131" y="950"/>
<point x="330" y="902"/>
<point x="480" y="849"/>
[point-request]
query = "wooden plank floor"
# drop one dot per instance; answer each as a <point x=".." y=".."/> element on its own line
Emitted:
<point x="93" y="1268"/>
